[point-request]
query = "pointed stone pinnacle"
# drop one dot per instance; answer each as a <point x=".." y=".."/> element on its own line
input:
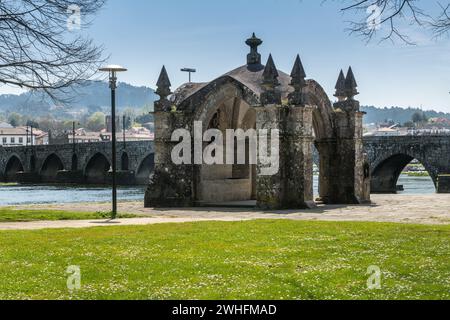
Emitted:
<point x="298" y="74"/>
<point x="340" y="85"/>
<point x="163" y="84"/>
<point x="350" y="81"/>
<point x="350" y="84"/>
<point x="270" y="74"/>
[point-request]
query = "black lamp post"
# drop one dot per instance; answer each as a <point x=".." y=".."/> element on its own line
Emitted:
<point x="123" y="131"/>
<point x="113" y="70"/>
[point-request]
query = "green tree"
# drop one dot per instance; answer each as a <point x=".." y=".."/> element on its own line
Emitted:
<point x="418" y="117"/>
<point x="32" y="123"/>
<point x="408" y="124"/>
<point x="15" y="119"/>
<point x="96" y="122"/>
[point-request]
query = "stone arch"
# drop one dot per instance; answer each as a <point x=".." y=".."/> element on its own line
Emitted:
<point x="145" y="169"/>
<point x="216" y="94"/>
<point x="13" y="166"/>
<point x="324" y="135"/>
<point x="233" y="101"/>
<point x="50" y="168"/>
<point x="97" y="169"/>
<point x="124" y="162"/>
<point x="322" y="112"/>
<point x="387" y="170"/>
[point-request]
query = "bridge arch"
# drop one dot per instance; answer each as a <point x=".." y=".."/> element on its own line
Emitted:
<point x="145" y="169"/>
<point x="13" y="166"/>
<point x="387" y="170"/>
<point x="50" y="168"/>
<point x="97" y="169"/>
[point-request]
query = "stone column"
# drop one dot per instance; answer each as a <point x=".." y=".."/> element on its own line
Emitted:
<point x="297" y="144"/>
<point x="292" y="186"/>
<point x="297" y="148"/>
<point x="170" y="185"/>
<point x="269" y="188"/>
<point x="349" y="181"/>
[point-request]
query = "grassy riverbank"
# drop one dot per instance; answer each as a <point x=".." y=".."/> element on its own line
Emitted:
<point x="13" y="215"/>
<point x="214" y="260"/>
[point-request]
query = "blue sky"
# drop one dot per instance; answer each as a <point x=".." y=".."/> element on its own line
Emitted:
<point x="209" y="35"/>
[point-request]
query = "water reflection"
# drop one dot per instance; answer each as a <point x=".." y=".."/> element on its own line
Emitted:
<point x="23" y="195"/>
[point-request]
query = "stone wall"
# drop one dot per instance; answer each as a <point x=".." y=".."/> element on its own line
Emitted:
<point x="38" y="161"/>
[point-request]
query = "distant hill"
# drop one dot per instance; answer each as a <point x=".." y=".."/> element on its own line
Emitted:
<point x="93" y="96"/>
<point x="397" y="114"/>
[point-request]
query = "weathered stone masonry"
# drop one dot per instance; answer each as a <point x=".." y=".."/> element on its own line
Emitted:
<point x="255" y="96"/>
<point x="79" y="163"/>
<point x="388" y="156"/>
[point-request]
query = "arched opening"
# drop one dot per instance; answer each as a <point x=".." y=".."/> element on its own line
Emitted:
<point x="50" y="168"/>
<point x="223" y="182"/>
<point x="316" y="172"/>
<point x="323" y="149"/>
<point x="402" y="173"/>
<point x="97" y="170"/>
<point x="124" y="163"/>
<point x="74" y="165"/>
<point x="13" y="166"/>
<point x="145" y="169"/>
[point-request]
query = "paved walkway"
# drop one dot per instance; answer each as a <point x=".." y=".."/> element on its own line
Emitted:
<point x="424" y="209"/>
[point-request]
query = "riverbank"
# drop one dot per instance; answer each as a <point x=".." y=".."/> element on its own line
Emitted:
<point x="410" y="209"/>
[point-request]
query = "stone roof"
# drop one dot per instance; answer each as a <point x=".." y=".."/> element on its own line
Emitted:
<point x="249" y="75"/>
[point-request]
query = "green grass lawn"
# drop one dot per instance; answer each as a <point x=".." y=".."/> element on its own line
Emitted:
<point x="239" y="260"/>
<point x="13" y="215"/>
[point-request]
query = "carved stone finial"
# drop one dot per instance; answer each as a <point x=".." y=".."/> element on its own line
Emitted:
<point x="270" y="82"/>
<point x="350" y="85"/>
<point x="254" y="57"/>
<point x="340" y="87"/>
<point x="298" y="74"/>
<point x="163" y="84"/>
<point x="298" y="81"/>
<point x="270" y="74"/>
<point x="163" y="90"/>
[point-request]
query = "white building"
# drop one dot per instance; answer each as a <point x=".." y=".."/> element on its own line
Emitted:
<point x="14" y="137"/>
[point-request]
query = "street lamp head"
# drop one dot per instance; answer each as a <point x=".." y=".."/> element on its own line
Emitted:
<point x="112" y="68"/>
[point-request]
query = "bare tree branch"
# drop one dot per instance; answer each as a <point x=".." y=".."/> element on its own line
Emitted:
<point x="385" y="18"/>
<point x="37" y="49"/>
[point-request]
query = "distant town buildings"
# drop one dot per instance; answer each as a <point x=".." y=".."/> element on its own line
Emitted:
<point x="434" y="126"/>
<point x="13" y="137"/>
<point x="134" y="134"/>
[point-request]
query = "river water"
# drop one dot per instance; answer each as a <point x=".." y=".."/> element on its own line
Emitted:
<point x="42" y="194"/>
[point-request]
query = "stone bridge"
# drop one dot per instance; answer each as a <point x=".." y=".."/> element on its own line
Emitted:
<point x="87" y="163"/>
<point x="388" y="156"/>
